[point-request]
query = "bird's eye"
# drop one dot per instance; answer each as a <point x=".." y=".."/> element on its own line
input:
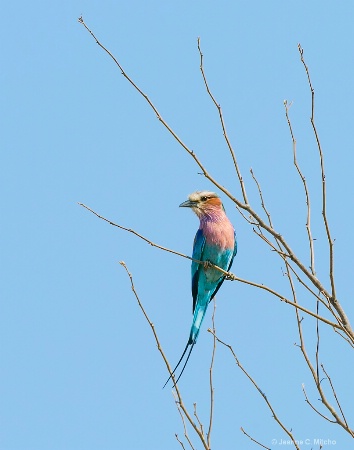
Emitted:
<point x="204" y="199"/>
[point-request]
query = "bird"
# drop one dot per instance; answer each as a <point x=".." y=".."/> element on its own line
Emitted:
<point x="215" y="243"/>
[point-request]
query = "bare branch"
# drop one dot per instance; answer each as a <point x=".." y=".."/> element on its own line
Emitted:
<point x="228" y="275"/>
<point x="197" y="417"/>
<point x="183" y="423"/>
<point x="137" y="234"/>
<point x="254" y="440"/>
<point x="176" y="435"/>
<point x="346" y="339"/>
<point x="337" y="401"/>
<point x="261" y="197"/>
<point x="315" y="409"/>
<point x="307" y="195"/>
<point x="317" y="343"/>
<point x="289" y="302"/>
<point x="323" y="176"/>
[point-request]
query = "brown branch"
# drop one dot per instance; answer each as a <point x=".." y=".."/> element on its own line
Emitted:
<point x="221" y="117"/>
<point x="228" y="275"/>
<point x="315" y="409"/>
<point x="152" y="326"/>
<point x="289" y="302"/>
<point x="199" y="422"/>
<point x="278" y="250"/>
<point x="346" y="339"/>
<point x="129" y="230"/>
<point x="182" y="445"/>
<point x="183" y="423"/>
<point x="254" y="440"/>
<point x="317" y="343"/>
<point x="337" y="401"/>
<point x="307" y="195"/>
<point x="247" y="219"/>
<point x="275" y="417"/>
<point x="261" y="198"/>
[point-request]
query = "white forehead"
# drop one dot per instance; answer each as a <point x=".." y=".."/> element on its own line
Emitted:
<point x="196" y="196"/>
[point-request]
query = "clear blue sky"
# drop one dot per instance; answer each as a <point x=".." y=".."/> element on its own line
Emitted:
<point x="79" y="368"/>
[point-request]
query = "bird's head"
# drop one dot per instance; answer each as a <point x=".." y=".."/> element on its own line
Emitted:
<point x="204" y="203"/>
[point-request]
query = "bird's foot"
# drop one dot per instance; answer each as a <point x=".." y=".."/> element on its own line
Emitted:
<point x="207" y="265"/>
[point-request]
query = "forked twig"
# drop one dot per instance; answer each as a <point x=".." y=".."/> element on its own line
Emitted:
<point x="336" y="398"/>
<point x="261" y="198"/>
<point x="183" y="423"/>
<point x="181" y="443"/>
<point x="315" y="409"/>
<point x="198" y="420"/>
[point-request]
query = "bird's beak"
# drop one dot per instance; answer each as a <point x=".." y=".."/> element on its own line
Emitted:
<point x="188" y="204"/>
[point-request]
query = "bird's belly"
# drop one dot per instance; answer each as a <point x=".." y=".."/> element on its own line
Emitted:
<point x="218" y="257"/>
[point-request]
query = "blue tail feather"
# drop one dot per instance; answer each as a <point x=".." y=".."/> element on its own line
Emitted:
<point x="198" y="317"/>
<point x="179" y="362"/>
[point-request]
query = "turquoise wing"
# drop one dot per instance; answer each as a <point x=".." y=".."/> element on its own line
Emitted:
<point x="198" y="247"/>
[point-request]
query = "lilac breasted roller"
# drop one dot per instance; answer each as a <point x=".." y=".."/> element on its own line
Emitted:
<point x="214" y="242"/>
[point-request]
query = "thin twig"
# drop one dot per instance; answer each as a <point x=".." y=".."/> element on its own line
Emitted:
<point x="318" y="342"/>
<point x="182" y="445"/>
<point x="183" y="422"/>
<point x="323" y="177"/>
<point x="254" y="440"/>
<point x="198" y="420"/>
<point x="335" y="396"/>
<point x="129" y="230"/>
<point x="222" y="122"/>
<point x="261" y="197"/>
<point x="346" y="339"/>
<point x="307" y="195"/>
<point x="315" y="409"/>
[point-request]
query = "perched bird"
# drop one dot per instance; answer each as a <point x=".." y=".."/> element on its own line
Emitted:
<point x="215" y="242"/>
